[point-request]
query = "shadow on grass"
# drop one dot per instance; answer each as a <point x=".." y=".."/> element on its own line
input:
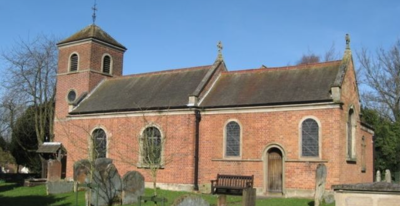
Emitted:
<point x="31" y="200"/>
<point x="4" y="188"/>
<point x="311" y="203"/>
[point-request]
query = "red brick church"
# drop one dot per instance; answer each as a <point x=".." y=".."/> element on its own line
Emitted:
<point x="277" y="124"/>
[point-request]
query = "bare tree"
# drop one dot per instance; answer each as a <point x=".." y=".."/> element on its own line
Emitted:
<point x="311" y="57"/>
<point x="381" y="75"/>
<point x="31" y="75"/>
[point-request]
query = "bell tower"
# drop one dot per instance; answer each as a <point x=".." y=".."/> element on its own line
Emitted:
<point x="85" y="59"/>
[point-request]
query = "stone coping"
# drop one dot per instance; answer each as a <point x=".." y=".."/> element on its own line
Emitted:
<point x="372" y="187"/>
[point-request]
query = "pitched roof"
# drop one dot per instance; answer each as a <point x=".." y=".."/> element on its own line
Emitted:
<point x="49" y="147"/>
<point x="92" y="32"/>
<point x="268" y="86"/>
<point x="159" y="90"/>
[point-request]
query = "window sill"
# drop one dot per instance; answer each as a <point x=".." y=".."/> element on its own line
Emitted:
<point x="141" y="166"/>
<point x="307" y="160"/>
<point x="351" y="160"/>
<point x="236" y="160"/>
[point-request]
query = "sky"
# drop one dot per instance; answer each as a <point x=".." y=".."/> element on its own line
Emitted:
<point x="170" y="34"/>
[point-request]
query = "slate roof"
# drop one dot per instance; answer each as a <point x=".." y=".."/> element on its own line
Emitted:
<point x="171" y="89"/>
<point x="95" y="32"/>
<point x="159" y="90"/>
<point x="269" y="86"/>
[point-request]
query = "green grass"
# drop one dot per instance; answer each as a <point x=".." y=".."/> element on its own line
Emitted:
<point x="12" y="194"/>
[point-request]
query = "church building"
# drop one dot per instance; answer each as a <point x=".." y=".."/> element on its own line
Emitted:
<point x="193" y="123"/>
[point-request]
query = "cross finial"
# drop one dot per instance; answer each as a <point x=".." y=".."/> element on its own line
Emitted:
<point x="94" y="12"/>
<point x="347" y="41"/>
<point x="220" y="47"/>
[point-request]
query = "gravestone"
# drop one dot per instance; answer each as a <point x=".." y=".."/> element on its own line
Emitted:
<point x="59" y="187"/>
<point x="222" y="200"/>
<point x="378" y="176"/>
<point x="53" y="170"/>
<point x="132" y="187"/>
<point x="320" y="180"/>
<point x="81" y="170"/>
<point x="388" y="176"/>
<point x="107" y="184"/>
<point x="249" y="197"/>
<point x="190" y="200"/>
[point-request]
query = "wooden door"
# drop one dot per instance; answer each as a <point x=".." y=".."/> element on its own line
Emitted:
<point x="274" y="170"/>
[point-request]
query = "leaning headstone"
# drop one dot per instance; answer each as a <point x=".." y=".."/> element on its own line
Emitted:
<point x="320" y="180"/>
<point x="132" y="187"/>
<point x="378" y="176"/>
<point x="249" y="197"/>
<point x="190" y="200"/>
<point x="81" y="170"/>
<point x="388" y="176"/>
<point x="106" y="183"/>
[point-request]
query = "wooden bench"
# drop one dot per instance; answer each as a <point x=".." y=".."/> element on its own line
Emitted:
<point x="231" y="184"/>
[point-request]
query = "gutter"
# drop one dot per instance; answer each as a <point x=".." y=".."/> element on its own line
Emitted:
<point x="196" y="150"/>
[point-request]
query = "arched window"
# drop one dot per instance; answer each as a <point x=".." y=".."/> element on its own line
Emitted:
<point x="73" y="63"/>
<point x="350" y="135"/>
<point x="363" y="155"/>
<point x="232" y="135"/>
<point x="152" y="146"/>
<point x="107" y="64"/>
<point x="99" y="143"/>
<point x="309" y="138"/>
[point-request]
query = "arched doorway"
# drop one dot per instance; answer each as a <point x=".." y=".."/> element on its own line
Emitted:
<point x="274" y="173"/>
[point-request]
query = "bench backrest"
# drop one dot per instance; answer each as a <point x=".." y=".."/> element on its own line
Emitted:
<point x="235" y="181"/>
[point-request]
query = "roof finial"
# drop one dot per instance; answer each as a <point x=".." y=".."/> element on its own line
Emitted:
<point x="220" y="47"/>
<point x="94" y="12"/>
<point x="347" y="41"/>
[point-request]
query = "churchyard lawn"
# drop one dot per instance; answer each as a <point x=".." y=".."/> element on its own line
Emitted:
<point x="12" y="194"/>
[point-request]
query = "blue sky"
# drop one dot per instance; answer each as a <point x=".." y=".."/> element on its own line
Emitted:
<point x="168" y="34"/>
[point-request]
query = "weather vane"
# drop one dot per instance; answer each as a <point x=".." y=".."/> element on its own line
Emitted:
<point x="220" y="47"/>
<point x="94" y="12"/>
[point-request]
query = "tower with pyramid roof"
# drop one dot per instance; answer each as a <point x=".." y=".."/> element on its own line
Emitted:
<point x="85" y="59"/>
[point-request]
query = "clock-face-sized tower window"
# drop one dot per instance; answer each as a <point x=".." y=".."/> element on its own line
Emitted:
<point x="73" y="63"/>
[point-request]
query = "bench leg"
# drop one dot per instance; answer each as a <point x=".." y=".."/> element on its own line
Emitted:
<point x="222" y="200"/>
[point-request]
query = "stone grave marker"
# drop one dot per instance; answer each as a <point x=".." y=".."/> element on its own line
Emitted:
<point x="388" y="176"/>
<point x="81" y="170"/>
<point x="53" y="170"/>
<point x="190" y="200"/>
<point x="132" y="187"/>
<point x="108" y="183"/>
<point x="378" y="176"/>
<point x="320" y="180"/>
